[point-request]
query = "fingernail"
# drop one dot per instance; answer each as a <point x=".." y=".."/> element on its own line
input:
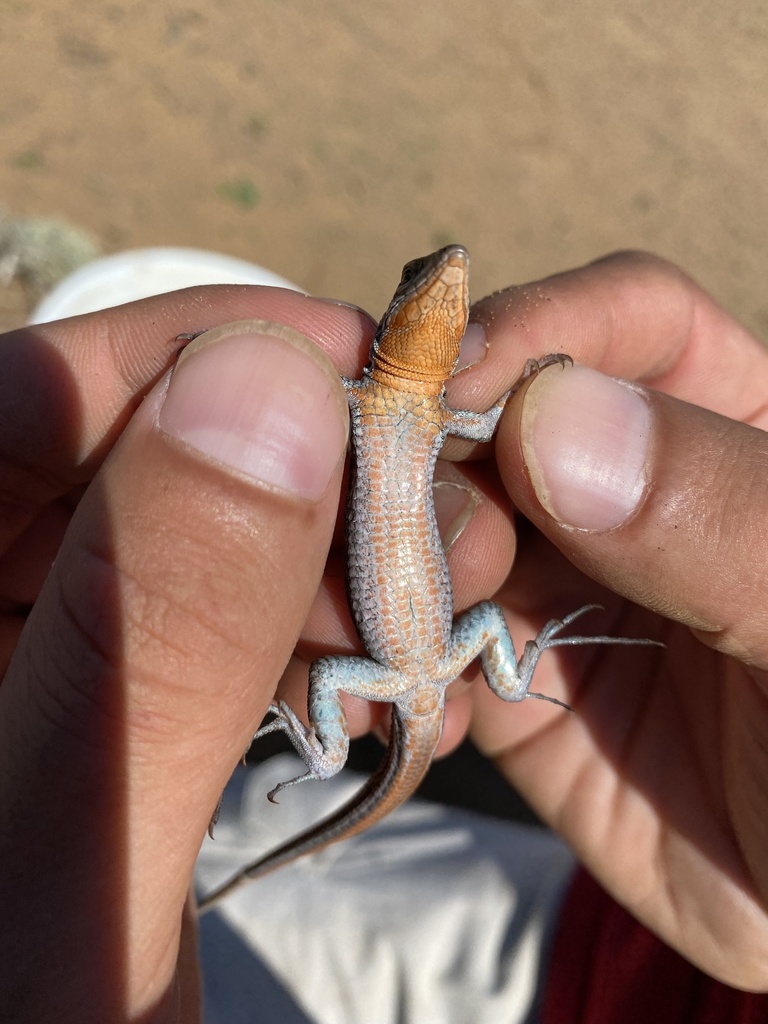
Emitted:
<point x="585" y="440"/>
<point x="474" y="346"/>
<point x="343" y="305"/>
<point x="262" y="399"/>
<point x="455" y="502"/>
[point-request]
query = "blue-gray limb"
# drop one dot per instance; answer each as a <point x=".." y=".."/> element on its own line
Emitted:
<point x="480" y="426"/>
<point x="324" y="746"/>
<point x="482" y="631"/>
<point x="476" y="426"/>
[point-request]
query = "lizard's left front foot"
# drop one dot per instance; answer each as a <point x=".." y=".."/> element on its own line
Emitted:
<point x="534" y="366"/>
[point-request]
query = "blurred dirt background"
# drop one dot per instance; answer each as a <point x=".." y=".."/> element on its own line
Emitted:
<point x="332" y="142"/>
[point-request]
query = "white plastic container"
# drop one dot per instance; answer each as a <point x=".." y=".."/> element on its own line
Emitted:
<point x="139" y="273"/>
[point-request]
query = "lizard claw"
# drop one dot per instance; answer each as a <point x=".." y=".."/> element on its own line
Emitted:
<point x="548" y="637"/>
<point x="552" y="700"/>
<point x="284" y="721"/>
<point x="322" y="764"/>
<point x="306" y="777"/>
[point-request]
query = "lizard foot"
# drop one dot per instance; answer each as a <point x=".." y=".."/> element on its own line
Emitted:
<point x="548" y="637"/>
<point x="321" y="763"/>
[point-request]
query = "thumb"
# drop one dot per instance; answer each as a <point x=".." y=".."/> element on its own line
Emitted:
<point x="646" y="493"/>
<point x="158" y="639"/>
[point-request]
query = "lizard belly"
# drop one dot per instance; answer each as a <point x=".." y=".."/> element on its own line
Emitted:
<point x="397" y="576"/>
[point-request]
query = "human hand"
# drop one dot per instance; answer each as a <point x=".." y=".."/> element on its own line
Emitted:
<point x="177" y="597"/>
<point x="157" y="638"/>
<point x="660" y="780"/>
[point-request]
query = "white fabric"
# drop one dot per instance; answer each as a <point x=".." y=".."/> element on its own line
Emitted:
<point x="434" y="915"/>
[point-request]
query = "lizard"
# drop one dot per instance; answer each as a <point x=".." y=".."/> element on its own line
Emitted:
<point x="398" y="583"/>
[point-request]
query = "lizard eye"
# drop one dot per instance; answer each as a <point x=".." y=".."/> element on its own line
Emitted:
<point x="410" y="270"/>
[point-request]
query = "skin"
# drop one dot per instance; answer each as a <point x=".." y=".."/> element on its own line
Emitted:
<point x="121" y="717"/>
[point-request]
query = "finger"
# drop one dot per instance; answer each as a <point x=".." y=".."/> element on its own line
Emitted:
<point x="629" y="315"/>
<point x="68" y="388"/>
<point x="664" y="502"/>
<point x="148" y="661"/>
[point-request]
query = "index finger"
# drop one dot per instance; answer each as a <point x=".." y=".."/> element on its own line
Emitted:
<point x="635" y="316"/>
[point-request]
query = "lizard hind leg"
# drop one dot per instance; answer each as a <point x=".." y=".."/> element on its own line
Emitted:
<point x="324" y="744"/>
<point x="307" y="745"/>
<point x="483" y="631"/>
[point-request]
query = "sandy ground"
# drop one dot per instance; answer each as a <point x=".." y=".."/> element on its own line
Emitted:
<point x="332" y="142"/>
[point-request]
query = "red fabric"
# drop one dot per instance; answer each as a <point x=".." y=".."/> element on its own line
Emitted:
<point x="608" y="969"/>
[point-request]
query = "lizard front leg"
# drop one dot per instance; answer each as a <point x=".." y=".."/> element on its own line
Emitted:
<point x="481" y="426"/>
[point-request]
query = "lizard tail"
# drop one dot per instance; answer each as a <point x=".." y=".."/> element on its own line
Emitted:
<point x="405" y="763"/>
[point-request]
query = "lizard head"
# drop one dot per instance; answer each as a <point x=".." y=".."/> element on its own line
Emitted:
<point x="417" y="343"/>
